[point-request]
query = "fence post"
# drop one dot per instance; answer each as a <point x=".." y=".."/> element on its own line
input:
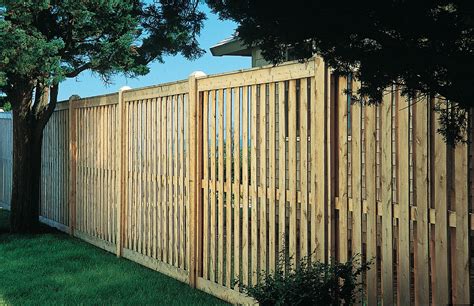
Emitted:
<point x="195" y="168"/>
<point x="121" y="171"/>
<point x="72" y="163"/>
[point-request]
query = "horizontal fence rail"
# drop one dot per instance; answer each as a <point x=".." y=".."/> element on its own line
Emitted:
<point x="209" y="180"/>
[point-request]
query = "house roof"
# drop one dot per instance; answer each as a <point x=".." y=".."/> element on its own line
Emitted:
<point x="231" y="46"/>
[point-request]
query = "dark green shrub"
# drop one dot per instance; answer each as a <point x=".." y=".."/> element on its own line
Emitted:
<point x="310" y="283"/>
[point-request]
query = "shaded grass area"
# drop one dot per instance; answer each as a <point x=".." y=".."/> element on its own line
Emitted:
<point x="52" y="268"/>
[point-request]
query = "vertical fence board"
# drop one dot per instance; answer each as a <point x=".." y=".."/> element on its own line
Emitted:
<point x="100" y="185"/>
<point x="228" y="173"/>
<point x="272" y="255"/>
<point x="262" y="140"/>
<point x="212" y="188"/>
<point x="170" y="201"/>
<point x="245" y="183"/>
<point x="330" y="85"/>
<point x="421" y="149"/>
<point x="164" y="185"/>
<point x="150" y="191"/>
<point x="441" y="274"/>
<point x="153" y="189"/>
<point x="342" y="163"/>
<point x="404" y="203"/>
<point x="121" y="172"/>
<point x="206" y="186"/>
<point x="461" y="282"/>
<point x="195" y="138"/>
<point x="304" y="123"/>
<point x="371" y="240"/>
<point x="182" y="184"/>
<point x="236" y="107"/>
<point x="160" y="176"/>
<point x="356" y="154"/>
<point x="318" y="160"/>
<point x="282" y="241"/>
<point x="142" y="175"/>
<point x="386" y="198"/>
<point x="292" y="164"/>
<point x="221" y="177"/>
<point x="72" y="164"/>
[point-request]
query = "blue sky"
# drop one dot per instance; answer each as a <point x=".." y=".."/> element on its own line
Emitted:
<point x="174" y="68"/>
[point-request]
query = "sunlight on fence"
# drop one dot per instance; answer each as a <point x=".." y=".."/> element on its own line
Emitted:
<point x="209" y="179"/>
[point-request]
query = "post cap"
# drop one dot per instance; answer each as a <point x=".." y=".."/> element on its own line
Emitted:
<point x="197" y="74"/>
<point x="123" y="88"/>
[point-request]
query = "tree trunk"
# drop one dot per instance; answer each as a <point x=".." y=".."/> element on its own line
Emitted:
<point x="25" y="201"/>
<point x="29" y="119"/>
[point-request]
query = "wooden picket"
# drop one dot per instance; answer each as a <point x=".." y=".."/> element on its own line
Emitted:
<point x="55" y="168"/>
<point x="156" y="205"/>
<point x="95" y="191"/>
<point x="211" y="180"/>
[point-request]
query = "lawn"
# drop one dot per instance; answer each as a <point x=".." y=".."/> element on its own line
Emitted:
<point x="53" y="268"/>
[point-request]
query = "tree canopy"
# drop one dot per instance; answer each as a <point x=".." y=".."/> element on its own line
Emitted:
<point x="43" y="42"/>
<point x="425" y="47"/>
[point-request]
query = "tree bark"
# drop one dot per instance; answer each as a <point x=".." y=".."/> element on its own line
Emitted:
<point x="25" y="201"/>
<point x="29" y="121"/>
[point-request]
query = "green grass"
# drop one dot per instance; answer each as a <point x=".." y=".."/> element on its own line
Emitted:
<point x="52" y="268"/>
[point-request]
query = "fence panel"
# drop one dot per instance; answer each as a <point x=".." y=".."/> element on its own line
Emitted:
<point x="6" y="159"/>
<point x="267" y="185"/>
<point x="156" y="203"/>
<point x="415" y="213"/>
<point x="214" y="179"/>
<point x="54" y="195"/>
<point x="380" y="203"/>
<point x="96" y="170"/>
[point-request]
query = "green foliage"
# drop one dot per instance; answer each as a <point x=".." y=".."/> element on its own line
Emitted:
<point x="424" y="47"/>
<point x="310" y="283"/>
<point x="44" y="42"/>
<point x="5" y="105"/>
<point x="54" y="269"/>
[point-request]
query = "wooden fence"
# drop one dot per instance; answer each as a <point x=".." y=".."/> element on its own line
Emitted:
<point x="6" y="159"/>
<point x="208" y="180"/>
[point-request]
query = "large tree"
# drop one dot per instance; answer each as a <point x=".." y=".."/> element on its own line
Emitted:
<point x="426" y="47"/>
<point x="43" y="42"/>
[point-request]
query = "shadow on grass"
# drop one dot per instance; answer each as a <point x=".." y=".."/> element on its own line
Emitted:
<point x="4" y="221"/>
<point x="52" y="268"/>
<point x="5" y="225"/>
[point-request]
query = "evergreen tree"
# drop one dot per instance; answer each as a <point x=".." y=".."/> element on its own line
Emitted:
<point x="43" y="42"/>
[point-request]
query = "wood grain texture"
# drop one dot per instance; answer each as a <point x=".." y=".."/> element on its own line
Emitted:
<point x="292" y="164"/>
<point x="356" y="154"/>
<point x="208" y="179"/>
<point x="342" y="125"/>
<point x="319" y="175"/>
<point x="386" y="198"/>
<point x="422" y="189"/>
<point x="370" y="138"/>
<point x="439" y="200"/>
